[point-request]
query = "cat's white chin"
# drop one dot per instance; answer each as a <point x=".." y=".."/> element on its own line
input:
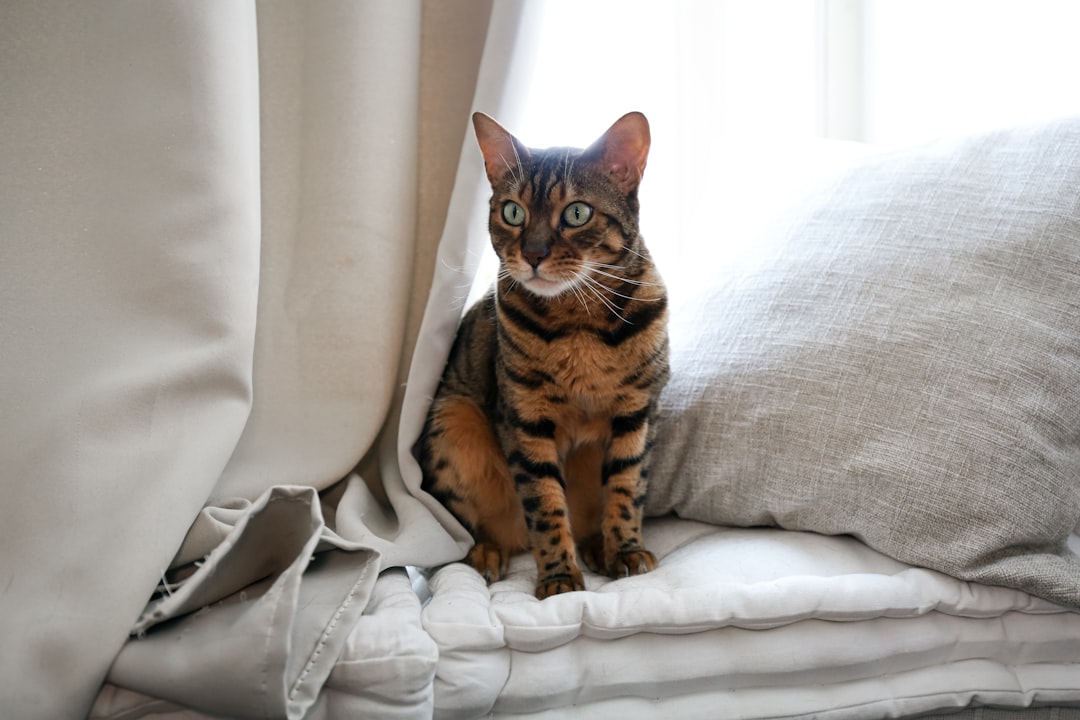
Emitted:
<point x="547" y="288"/>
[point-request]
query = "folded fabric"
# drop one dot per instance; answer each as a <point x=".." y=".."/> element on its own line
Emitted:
<point x="385" y="669"/>
<point x="257" y="629"/>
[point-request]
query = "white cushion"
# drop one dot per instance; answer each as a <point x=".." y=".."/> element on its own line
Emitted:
<point x="754" y="623"/>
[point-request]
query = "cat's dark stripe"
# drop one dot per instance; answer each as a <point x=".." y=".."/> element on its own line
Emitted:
<point x="544" y="525"/>
<point x="618" y="465"/>
<point x="535" y="469"/>
<point x="646" y="374"/>
<point x="450" y="501"/>
<point x="549" y="172"/>
<point x="533" y="380"/>
<point x="524" y="322"/>
<point x="542" y="428"/>
<point x="637" y="322"/>
<point x="446" y="497"/>
<point x="507" y="342"/>
<point x="626" y="424"/>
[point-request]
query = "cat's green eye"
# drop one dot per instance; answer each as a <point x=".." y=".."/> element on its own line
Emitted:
<point x="577" y="214"/>
<point x="513" y="214"/>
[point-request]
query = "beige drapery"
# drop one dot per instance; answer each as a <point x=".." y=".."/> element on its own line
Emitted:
<point x="218" y="225"/>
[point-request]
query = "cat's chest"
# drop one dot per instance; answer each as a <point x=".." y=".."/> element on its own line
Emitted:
<point x="589" y="383"/>
<point x="592" y="365"/>
<point x="589" y="372"/>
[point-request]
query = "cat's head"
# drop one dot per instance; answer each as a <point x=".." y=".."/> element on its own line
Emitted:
<point x="563" y="218"/>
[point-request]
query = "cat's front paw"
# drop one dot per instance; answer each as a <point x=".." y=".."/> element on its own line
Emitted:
<point x="562" y="583"/>
<point x="631" y="562"/>
<point x="488" y="560"/>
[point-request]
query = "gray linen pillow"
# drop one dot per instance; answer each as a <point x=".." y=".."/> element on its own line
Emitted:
<point x="899" y="362"/>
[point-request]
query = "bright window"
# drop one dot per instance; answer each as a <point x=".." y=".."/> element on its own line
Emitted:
<point x="752" y="100"/>
<point x="881" y="71"/>
<point x="943" y="67"/>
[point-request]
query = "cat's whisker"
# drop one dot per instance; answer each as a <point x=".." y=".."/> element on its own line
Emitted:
<point x="520" y="174"/>
<point x="593" y="263"/>
<point x="597" y="283"/>
<point x="611" y="306"/>
<point x="504" y="274"/>
<point x="590" y="285"/>
<point x="452" y="268"/>
<point x="473" y="252"/>
<point x="458" y="301"/>
<point x="628" y="281"/>
<point x="567" y="168"/>
<point x="572" y="290"/>
<point x="609" y="266"/>
<point x="580" y="295"/>
<point x="521" y="169"/>
<point x="593" y="267"/>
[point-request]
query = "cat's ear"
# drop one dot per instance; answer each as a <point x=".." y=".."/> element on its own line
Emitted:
<point x="621" y="152"/>
<point x="502" y="151"/>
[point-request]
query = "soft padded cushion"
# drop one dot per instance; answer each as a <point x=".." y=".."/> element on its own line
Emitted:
<point x="900" y="361"/>
<point x="748" y="623"/>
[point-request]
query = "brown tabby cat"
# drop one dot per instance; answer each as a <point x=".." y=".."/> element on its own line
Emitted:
<point x="541" y="429"/>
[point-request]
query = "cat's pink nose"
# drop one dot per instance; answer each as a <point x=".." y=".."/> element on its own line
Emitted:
<point x="534" y="256"/>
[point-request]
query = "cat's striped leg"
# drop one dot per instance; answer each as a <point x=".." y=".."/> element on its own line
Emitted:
<point x="465" y="469"/>
<point x="538" y="479"/>
<point x="624" y="478"/>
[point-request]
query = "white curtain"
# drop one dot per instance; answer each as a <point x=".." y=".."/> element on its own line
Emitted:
<point x="218" y="224"/>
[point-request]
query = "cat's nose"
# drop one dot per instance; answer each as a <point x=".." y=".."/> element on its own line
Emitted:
<point x="534" y="255"/>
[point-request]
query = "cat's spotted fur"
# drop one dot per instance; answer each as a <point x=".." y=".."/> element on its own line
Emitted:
<point x="540" y="433"/>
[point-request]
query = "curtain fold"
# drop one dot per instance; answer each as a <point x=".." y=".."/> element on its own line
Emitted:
<point x="218" y="227"/>
<point x="338" y="91"/>
<point x="129" y="247"/>
<point x="355" y="184"/>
